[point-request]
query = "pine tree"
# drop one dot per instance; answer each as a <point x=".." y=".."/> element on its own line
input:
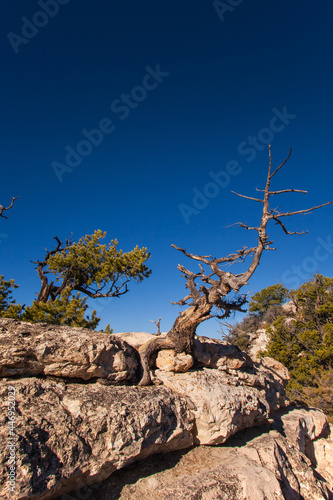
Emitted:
<point x="91" y="268"/>
<point x="64" y="310"/>
<point x="86" y="267"/>
<point x="8" y="306"/>
<point x="274" y="295"/>
<point x="305" y="344"/>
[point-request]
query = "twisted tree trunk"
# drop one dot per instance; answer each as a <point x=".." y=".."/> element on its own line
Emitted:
<point x="216" y="285"/>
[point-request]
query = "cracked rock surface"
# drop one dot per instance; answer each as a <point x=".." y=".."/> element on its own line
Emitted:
<point x="71" y="435"/>
<point x="32" y="349"/>
<point x="255" y="464"/>
<point x="83" y="430"/>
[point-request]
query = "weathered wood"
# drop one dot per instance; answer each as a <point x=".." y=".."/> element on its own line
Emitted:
<point x="211" y="292"/>
<point x="2" y="208"/>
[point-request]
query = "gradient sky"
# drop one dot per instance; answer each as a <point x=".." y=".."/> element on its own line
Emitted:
<point x="185" y="93"/>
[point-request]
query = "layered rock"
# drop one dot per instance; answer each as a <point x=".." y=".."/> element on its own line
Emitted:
<point x="213" y="353"/>
<point x="75" y="425"/>
<point x="39" y="349"/>
<point x="256" y="464"/>
<point x="225" y="403"/>
<point x="322" y="457"/>
<point x="71" y="435"/>
<point x="170" y="361"/>
<point x="258" y="343"/>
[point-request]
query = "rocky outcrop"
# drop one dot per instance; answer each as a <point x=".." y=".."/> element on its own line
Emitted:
<point x="258" y="343"/>
<point x="211" y="353"/>
<point x="68" y="435"/>
<point x="322" y="456"/>
<point x="290" y="308"/>
<point x="255" y="464"/>
<point x="226" y="403"/>
<point x="135" y="339"/>
<point x="39" y="349"/>
<point x="170" y="361"/>
<point x="75" y="423"/>
<point x="276" y="368"/>
<point x="214" y="353"/>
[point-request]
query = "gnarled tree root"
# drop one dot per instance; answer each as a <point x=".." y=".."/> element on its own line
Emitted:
<point x="147" y="350"/>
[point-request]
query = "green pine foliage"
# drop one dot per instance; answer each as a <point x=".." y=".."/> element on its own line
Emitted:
<point x="8" y="306"/>
<point x="93" y="268"/>
<point x="65" y="310"/>
<point x="86" y="267"/>
<point x="6" y="290"/>
<point x="305" y="344"/>
<point x="274" y="295"/>
<point x="108" y="329"/>
<point x="301" y="340"/>
<point x="241" y="333"/>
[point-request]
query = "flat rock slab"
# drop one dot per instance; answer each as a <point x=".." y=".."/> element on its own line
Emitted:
<point x="77" y="434"/>
<point x="31" y="349"/>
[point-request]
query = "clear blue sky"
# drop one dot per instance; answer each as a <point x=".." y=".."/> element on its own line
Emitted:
<point x="183" y="92"/>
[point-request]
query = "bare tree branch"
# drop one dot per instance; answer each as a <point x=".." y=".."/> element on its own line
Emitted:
<point x="183" y="301"/>
<point x="248" y="197"/>
<point x="271" y="193"/>
<point x="215" y="290"/>
<point x="157" y="323"/>
<point x="282" y="164"/>
<point x="241" y="224"/>
<point x="298" y="212"/>
<point x="2" y="208"/>
<point x="202" y="258"/>
<point x="285" y="229"/>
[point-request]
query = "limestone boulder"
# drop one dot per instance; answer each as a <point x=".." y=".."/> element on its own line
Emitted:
<point x="167" y="360"/>
<point x="323" y="456"/>
<point x="224" y="404"/>
<point x="277" y="368"/>
<point x="303" y="426"/>
<point x="68" y="436"/>
<point x="39" y="349"/>
<point x="255" y="464"/>
<point x="170" y="361"/>
<point x="213" y="353"/>
<point x="203" y="473"/>
<point x="258" y="343"/>
<point x="290" y="307"/>
<point x="308" y="430"/>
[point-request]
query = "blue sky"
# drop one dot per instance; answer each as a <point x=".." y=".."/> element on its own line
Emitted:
<point x="182" y="93"/>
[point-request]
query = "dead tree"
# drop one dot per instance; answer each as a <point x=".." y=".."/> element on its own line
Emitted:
<point x="158" y="324"/>
<point x="209" y="289"/>
<point x="2" y="208"/>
